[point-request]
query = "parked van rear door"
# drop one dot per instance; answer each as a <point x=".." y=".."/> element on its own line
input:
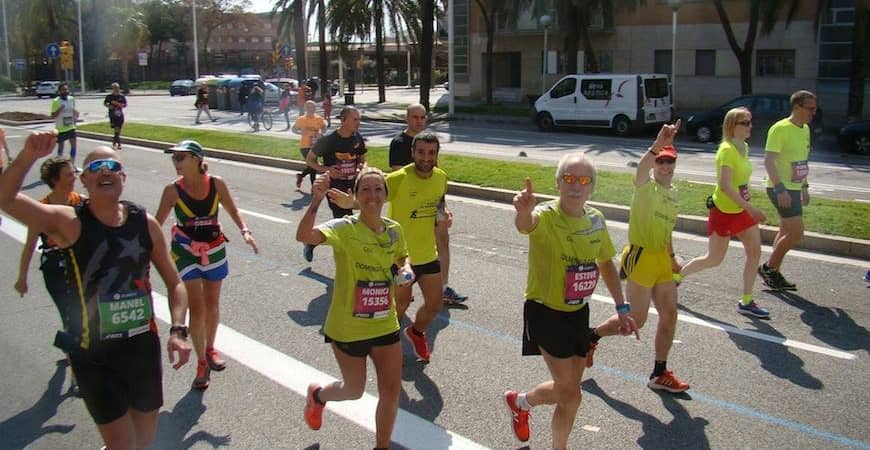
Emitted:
<point x="656" y="99"/>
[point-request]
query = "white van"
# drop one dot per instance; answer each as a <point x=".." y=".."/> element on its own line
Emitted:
<point x="621" y="102"/>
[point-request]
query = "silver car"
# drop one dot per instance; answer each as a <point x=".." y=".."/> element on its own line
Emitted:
<point x="47" y="89"/>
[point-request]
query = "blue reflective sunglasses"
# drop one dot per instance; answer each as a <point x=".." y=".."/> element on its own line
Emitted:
<point x="98" y="164"/>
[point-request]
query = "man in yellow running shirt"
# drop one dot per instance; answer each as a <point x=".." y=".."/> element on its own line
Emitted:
<point x="648" y="261"/>
<point x="786" y="156"/>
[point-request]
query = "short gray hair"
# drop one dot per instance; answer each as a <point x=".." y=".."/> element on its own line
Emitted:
<point x="572" y="158"/>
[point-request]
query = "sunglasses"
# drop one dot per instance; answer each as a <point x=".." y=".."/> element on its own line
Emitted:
<point x="666" y="161"/>
<point x="179" y="156"/>
<point x="745" y="123"/>
<point x="111" y="164"/>
<point x="582" y="180"/>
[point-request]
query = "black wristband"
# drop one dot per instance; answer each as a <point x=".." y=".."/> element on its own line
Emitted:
<point x="779" y="188"/>
<point x="182" y="331"/>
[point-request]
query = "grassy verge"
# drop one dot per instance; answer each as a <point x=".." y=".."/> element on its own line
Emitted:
<point x="836" y="217"/>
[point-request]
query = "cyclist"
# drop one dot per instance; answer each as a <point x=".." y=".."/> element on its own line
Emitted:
<point x="255" y="106"/>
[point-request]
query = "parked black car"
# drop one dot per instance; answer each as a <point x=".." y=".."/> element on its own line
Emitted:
<point x="855" y="137"/>
<point x="766" y="110"/>
<point x="182" y="87"/>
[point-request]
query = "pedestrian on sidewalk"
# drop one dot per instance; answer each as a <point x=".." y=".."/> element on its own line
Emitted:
<point x="569" y="246"/>
<point x="400" y="156"/>
<point x="311" y="126"/>
<point x="362" y="321"/>
<point x="202" y="103"/>
<point x="648" y="261"/>
<point x="327" y="106"/>
<point x="199" y="247"/>
<point x="116" y="102"/>
<point x="731" y="212"/>
<point x="284" y="104"/>
<point x="63" y="110"/>
<point x="786" y="160"/>
<point x="115" y="242"/>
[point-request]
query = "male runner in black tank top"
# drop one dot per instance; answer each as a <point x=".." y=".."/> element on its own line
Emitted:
<point x="113" y="342"/>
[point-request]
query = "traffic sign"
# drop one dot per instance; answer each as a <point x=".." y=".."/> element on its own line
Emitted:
<point x="286" y="51"/>
<point x="52" y="50"/>
<point x="143" y="59"/>
<point x="20" y="64"/>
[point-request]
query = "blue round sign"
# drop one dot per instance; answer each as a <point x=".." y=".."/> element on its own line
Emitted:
<point x="52" y="50"/>
<point x="286" y="51"/>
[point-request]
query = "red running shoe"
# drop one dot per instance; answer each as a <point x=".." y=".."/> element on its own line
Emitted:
<point x="519" y="417"/>
<point x="668" y="382"/>
<point x="313" y="410"/>
<point x="215" y="362"/>
<point x="200" y="382"/>
<point x="420" y="344"/>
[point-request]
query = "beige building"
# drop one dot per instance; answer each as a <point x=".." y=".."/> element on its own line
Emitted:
<point x="707" y="71"/>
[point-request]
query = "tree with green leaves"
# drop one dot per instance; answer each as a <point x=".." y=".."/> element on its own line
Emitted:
<point x="211" y="14"/>
<point x="129" y="34"/>
<point x="490" y="11"/>
<point x="357" y="18"/>
<point x="763" y="17"/>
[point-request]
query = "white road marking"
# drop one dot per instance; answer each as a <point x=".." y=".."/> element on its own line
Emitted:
<point x="409" y="431"/>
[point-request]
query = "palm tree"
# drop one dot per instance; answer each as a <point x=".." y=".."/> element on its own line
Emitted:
<point x="292" y="16"/>
<point x="356" y="18"/>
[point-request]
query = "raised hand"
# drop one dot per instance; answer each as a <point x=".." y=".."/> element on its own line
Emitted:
<point x="667" y="134"/>
<point x="40" y="143"/>
<point x="524" y="201"/>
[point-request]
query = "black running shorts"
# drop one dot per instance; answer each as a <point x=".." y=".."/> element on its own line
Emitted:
<point x="361" y="349"/>
<point x="120" y="375"/>
<point x="796" y="208"/>
<point x="561" y="334"/>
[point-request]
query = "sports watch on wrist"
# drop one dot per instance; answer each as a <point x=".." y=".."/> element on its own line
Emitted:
<point x="182" y="331"/>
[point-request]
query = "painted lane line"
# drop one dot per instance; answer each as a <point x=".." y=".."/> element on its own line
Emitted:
<point x="264" y="216"/>
<point x="409" y="431"/>
<point x="730" y="329"/>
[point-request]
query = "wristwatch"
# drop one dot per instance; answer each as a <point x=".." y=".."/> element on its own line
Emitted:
<point x="182" y="331"/>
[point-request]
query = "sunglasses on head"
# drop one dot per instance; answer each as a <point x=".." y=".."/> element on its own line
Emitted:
<point x="582" y="180"/>
<point x="111" y="164"/>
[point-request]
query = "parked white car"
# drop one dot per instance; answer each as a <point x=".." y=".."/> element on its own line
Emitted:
<point x="47" y="89"/>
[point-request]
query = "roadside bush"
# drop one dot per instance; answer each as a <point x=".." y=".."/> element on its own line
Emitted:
<point x="7" y="85"/>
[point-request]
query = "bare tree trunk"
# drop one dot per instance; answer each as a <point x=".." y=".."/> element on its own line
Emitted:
<point x="855" y="108"/>
<point x="324" y="57"/>
<point x="378" y="10"/>
<point x="571" y="37"/>
<point x="299" y="37"/>
<point x="744" y="55"/>
<point x="490" y="37"/>
<point x="427" y="42"/>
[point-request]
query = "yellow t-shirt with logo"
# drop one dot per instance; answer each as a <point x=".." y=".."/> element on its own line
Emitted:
<point x="741" y="172"/>
<point x="793" y="145"/>
<point x="562" y="245"/>
<point x="363" y="298"/>
<point x="414" y="204"/>
<point x="309" y="126"/>
<point x="653" y="216"/>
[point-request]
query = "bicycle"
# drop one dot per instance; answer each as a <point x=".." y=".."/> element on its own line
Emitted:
<point x="265" y="117"/>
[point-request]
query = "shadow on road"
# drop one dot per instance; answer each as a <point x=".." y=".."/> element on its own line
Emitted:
<point x="684" y="431"/>
<point x="173" y="427"/>
<point x="298" y="204"/>
<point x="431" y="403"/>
<point x="315" y="315"/>
<point x="831" y="325"/>
<point x="25" y="428"/>
<point x="775" y="358"/>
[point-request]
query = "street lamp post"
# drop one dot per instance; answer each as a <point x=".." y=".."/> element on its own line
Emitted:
<point x="675" y="5"/>
<point x="545" y="22"/>
<point x="195" y="45"/>
<point x="450" y="61"/>
<point x="6" y="44"/>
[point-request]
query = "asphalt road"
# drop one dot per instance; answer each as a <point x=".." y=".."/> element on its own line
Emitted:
<point x="834" y="175"/>
<point x="796" y="381"/>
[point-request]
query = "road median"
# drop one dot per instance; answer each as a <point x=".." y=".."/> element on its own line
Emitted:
<point x="491" y="180"/>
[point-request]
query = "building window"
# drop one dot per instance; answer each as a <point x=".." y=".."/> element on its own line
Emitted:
<point x="662" y="63"/>
<point x="774" y="63"/>
<point x="506" y="69"/>
<point x="705" y="63"/>
<point x="604" y="59"/>
<point x="255" y="39"/>
<point x="267" y="39"/>
<point x="242" y="40"/>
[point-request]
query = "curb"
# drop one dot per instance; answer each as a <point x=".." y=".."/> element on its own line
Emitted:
<point x="15" y="123"/>
<point x="815" y="242"/>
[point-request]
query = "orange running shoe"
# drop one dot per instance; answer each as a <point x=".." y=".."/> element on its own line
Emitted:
<point x="215" y="362"/>
<point x="200" y="382"/>
<point x="420" y="344"/>
<point x="668" y="382"/>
